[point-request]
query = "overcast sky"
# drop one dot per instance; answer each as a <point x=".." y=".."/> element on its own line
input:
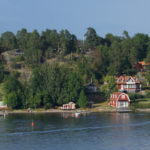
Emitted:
<point x="106" y="16"/>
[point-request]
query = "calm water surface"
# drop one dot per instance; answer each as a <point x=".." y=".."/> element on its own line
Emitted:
<point x="96" y="131"/>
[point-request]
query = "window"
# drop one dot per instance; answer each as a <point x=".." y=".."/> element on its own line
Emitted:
<point x="123" y="96"/>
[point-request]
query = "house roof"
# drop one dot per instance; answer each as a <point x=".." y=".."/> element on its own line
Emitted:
<point x="123" y="79"/>
<point x="143" y="63"/>
<point x="117" y="95"/>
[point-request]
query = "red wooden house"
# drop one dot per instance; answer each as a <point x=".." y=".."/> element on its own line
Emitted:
<point x="119" y="100"/>
<point x="69" y="106"/>
<point x="128" y="84"/>
<point x="142" y="66"/>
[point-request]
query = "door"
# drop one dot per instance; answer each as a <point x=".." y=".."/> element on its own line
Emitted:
<point x="122" y="104"/>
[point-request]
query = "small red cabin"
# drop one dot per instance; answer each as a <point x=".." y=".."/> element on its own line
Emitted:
<point x="119" y="100"/>
<point x="69" y="106"/>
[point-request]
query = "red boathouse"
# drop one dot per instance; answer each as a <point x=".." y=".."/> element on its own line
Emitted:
<point x="69" y="106"/>
<point x="119" y="100"/>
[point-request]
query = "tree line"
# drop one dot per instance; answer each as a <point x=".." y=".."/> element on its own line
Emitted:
<point x="49" y="86"/>
<point x="56" y="84"/>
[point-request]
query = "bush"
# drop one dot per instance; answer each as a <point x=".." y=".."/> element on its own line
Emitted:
<point x="140" y="105"/>
<point x="147" y="95"/>
<point x="134" y="96"/>
<point x="13" y="99"/>
<point x="48" y="105"/>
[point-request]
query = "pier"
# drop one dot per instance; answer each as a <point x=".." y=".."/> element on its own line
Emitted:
<point x="123" y="110"/>
<point x="3" y="113"/>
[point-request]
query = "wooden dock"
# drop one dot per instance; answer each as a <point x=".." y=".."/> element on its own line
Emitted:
<point x="3" y="113"/>
<point x="123" y="110"/>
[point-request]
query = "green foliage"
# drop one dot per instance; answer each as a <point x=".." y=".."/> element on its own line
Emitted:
<point x="140" y="105"/>
<point x="47" y="101"/>
<point x="73" y="85"/>
<point x="147" y="94"/>
<point x="36" y="101"/>
<point x="84" y="70"/>
<point x="109" y="86"/>
<point x="34" y="41"/>
<point x="134" y="96"/>
<point x="33" y="57"/>
<point x="11" y="100"/>
<point x="2" y="73"/>
<point x="22" y="37"/>
<point x="82" y="102"/>
<point x="140" y="43"/>
<point x="53" y="84"/>
<point x="12" y="84"/>
<point x="8" y="40"/>
<point x="50" y="40"/>
<point x="92" y="39"/>
<point x="13" y="92"/>
<point x="148" y="76"/>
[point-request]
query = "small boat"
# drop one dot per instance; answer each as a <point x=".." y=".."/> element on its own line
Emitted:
<point x="3" y="113"/>
<point x="77" y="114"/>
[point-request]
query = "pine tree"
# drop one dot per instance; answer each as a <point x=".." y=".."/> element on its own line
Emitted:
<point x="82" y="102"/>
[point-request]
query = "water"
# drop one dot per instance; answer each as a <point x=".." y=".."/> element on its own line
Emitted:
<point x="96" y="131"/>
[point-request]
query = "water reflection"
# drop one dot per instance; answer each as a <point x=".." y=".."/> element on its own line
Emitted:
<point x="77" y="115"/>
<point x="118" y="118"/>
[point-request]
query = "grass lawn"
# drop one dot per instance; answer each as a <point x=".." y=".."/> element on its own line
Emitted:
<point x="141" y="103"/>
<point x="143" y="99"/>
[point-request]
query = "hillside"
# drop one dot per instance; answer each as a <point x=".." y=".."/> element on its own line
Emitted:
<point x="51" y="68"/>
<point x="13" y="63"/>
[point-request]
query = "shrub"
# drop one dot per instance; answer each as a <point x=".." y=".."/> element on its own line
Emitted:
<point x="134" y="96"/>
<point x="147" y="95"/>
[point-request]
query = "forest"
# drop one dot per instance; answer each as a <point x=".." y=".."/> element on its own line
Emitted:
<point x="76" y="63"/>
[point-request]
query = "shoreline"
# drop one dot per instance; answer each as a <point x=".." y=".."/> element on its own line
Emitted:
<point x="142" y="110"/>
<point x="86" y="110"/>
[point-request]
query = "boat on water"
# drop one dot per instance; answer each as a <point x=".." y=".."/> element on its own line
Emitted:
<point x="3" y="113"/>
<point x="77" y="114"/>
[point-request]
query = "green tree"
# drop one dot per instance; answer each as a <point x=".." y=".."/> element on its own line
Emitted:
<point x="109" y="86"/>
<point x="11" y="100"/>
<point x="22" y="37"/>
<point x="34" y="41"/>
<point x="37" y="100"/>
<point x="67" y="42"/>
<point x="33" y="57"/>
<point x="82" y="102"/>
<point x="2" y="72"/>
<point x="91" y="38"/>
<point x="12" y="84"/>
<point x="50" y="40"/>
<point x="8" y="41"/>
<point x="47" y="101"/>
<point x="140" y="42"/>
<point x="13" y="92"/>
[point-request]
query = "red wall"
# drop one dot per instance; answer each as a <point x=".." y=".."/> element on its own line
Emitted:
<point x="113" y="100"/>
